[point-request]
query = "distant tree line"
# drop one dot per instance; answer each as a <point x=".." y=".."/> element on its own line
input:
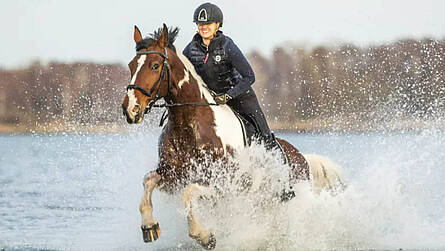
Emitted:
<point x="80" y="92"/>
<point x="407" y="76"/>
<point x="293" y="84"/>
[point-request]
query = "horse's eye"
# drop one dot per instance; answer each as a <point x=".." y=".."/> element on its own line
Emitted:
<point x="155" y="67"/>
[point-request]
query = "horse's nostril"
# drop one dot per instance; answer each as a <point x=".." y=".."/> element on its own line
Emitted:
<point x="136" y="108"/>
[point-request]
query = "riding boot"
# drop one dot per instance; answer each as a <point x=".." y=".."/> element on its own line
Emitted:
<point x="248" y="107"/>
<point x="270" y="142"/>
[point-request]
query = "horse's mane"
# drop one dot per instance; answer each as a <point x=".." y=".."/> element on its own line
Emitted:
<point x="153" y="37"/>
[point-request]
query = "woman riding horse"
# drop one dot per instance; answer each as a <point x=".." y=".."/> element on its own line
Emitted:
<point x="198" y="134"/>
<point x="222" y="65"/>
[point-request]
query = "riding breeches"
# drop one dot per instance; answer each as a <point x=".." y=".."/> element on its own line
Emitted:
<point x="248" y="107"/>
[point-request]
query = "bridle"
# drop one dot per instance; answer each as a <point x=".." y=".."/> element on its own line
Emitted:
<point x="157" y="86"/>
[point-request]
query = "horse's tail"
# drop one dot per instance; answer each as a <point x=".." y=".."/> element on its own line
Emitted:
<point x="325" y="174"/>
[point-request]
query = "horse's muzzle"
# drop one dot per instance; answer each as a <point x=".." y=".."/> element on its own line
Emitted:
<point x="136" y="116"/>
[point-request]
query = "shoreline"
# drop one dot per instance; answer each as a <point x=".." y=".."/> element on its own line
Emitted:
<point x="303" y="126"/>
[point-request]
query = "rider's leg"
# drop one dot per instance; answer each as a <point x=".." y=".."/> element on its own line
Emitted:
<point x="150" y="227"/>
<point x="247" y="106"/>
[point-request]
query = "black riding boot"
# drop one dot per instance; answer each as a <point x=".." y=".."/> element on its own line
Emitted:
<point x="248" y="107"/>
<point x="270" y="142"/>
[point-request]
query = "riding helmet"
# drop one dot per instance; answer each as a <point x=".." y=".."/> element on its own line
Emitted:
<point x="208" y="13"/>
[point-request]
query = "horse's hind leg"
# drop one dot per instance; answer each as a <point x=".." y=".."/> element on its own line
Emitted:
<point x="202" y="235"/>
<point x="150" y="227"/>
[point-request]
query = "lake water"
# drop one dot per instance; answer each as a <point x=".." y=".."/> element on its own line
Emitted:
<point x="81" y="192"/>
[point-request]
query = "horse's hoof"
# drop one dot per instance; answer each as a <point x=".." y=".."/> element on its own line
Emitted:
<point x="151" y="234"/>
<point x="287" y="195"/>
<point x="211" y="244"/>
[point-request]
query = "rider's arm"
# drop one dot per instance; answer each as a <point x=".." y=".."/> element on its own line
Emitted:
<point x="240" y="63"/>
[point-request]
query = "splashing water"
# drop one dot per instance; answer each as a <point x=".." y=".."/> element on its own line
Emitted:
<point x="393" y="201"/>
<point x="82" y="192"/>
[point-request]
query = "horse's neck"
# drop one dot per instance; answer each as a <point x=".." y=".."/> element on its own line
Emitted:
<point x="190" y="88"/>
<point x="194" y="81"/>
<point x="205" y="123"/>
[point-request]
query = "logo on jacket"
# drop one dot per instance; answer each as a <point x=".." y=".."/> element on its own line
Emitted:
<point x="218" y="58"/>
<point x="202" y="16"/>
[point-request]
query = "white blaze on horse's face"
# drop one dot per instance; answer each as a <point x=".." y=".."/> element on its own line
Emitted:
<point x="132" y="100"/>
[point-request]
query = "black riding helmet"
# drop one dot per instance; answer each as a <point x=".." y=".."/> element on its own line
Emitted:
<point x="208" y="13"/>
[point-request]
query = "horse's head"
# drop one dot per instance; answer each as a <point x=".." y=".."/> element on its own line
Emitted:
<point x="150" y="75"/>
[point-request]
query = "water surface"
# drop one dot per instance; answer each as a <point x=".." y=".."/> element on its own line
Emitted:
<point x="81" y="192"/>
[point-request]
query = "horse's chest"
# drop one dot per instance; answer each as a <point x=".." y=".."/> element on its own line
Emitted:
<point x="197" y="136"/>
<point x="219" y="131"/>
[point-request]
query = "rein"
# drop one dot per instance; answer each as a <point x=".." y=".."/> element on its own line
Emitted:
<point x="184" y="104"/>
<point x="157" y="86"/>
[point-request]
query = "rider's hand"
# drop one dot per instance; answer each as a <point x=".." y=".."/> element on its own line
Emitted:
<point x="222" y="99"/>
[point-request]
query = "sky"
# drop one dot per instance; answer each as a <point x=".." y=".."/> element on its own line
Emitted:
<point x="102" y="30"/>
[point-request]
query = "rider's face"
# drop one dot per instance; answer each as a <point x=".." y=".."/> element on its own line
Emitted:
<point x="207" y="31"/>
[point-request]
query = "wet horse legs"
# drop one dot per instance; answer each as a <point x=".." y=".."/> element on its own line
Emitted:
<point x="202" y="235"/>
<point x="150" y="227"/>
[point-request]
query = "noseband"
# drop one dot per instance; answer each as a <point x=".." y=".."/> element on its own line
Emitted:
<point x="157" y="86"/>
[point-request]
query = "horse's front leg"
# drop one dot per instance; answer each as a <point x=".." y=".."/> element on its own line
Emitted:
<point x="202" y="235"/>
<point x="150" y="227"/>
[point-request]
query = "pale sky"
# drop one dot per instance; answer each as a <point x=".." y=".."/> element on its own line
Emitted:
<point x="102" y="30"/>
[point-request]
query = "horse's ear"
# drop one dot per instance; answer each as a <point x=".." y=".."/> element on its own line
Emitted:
<point x="137" y="34"/>
<point x="163" y="39"/>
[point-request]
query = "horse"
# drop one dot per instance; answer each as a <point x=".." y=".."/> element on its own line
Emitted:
<point x="197" y="129"/>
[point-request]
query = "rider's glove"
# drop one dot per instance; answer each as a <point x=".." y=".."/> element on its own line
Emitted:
<point x="222" y="99"/>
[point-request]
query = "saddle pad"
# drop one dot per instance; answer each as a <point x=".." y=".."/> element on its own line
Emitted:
<point x="247" y="127"/>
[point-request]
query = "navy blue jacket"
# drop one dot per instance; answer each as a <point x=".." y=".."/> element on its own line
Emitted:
<point x="222" y="66"/>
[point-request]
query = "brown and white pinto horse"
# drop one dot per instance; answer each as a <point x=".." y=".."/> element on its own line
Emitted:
<point x="196" y="130"/>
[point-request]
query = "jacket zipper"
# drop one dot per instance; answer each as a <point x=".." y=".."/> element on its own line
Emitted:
<point x="207" y="55"/>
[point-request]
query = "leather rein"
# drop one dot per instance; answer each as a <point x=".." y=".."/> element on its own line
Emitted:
<point x="157" y="86"/>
